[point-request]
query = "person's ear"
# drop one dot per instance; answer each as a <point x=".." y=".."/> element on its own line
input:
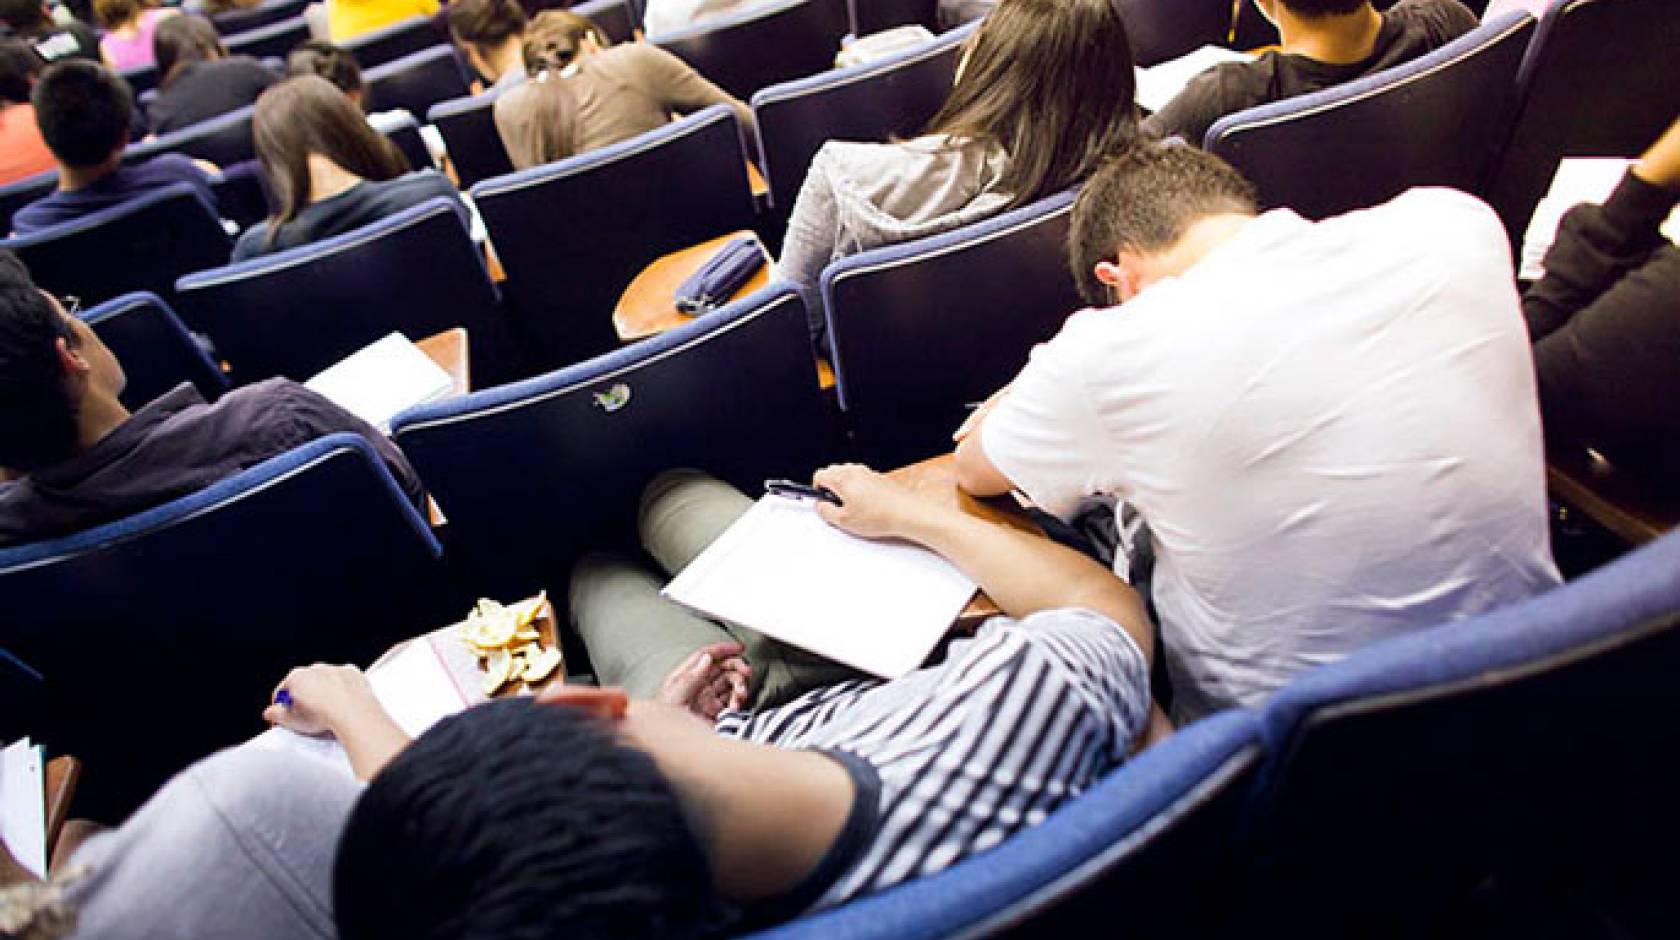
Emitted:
<point x="1119" y="276"/>
<point x="70" y="359"/>
<point x="609" y="704"/>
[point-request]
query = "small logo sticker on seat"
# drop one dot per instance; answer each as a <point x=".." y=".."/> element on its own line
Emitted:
<point x="613" y="398"/>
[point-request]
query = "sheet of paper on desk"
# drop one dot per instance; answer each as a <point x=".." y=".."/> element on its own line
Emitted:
<point x="382" y="379"/>
<point x="23" y="805"/>
<point x="876" y="606"/>
<point x="1161" y="83"/>
<point x="1578" y="180"/>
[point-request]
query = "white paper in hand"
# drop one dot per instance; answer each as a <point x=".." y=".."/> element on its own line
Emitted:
<point x="879" y="607"/>
<point x="23" y="811"/>
<point x="380" y="380"/>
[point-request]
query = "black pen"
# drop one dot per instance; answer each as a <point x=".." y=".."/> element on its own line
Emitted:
<point x="794" y="490"/>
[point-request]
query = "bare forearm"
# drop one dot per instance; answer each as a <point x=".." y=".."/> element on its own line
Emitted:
<point x="371" y="739"/>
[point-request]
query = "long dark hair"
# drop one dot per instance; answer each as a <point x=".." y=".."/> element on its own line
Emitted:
<point x="305" y="115"/>
<point x="1051" y="82"/>
<point x="181" y="40"/>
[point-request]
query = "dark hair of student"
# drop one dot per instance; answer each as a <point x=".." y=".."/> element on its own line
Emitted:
<point x="1315" y="8"/>
<point x="333" y="63"/>
<point x="37" y="416"/>
<point x="485" y="23"/>
<point x="1050" y="81"/>
<point x="19" y="64"/>
<point x="84" y="111"/>
<point x="1144" y="201"/>
<point x="23" y="16"/>
<point x="554" y="38"/>
<point x="519" y="820"/>
<point x="304" y="115"/>
<point x="180" y="40"/>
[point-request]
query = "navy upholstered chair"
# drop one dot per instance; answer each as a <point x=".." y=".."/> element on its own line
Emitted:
<point x="572" y="235"/>
<point x="1147" y="850"/>
<point x="155" y="349"/>
<point x="295" y="312"/>
<point x="416" y="81"/>
<point x="140" y="78"/>
<point x="1590" y="88"/>
<point x="872" y="102"/>
<point x="1166" y="29"/>
<point x="223" y="140"/>
<point x="1436" y="121"/>
<point x="20" y="193"/>
<point x="404" y="132"/>
<point x="275" y="39"/>
<point x="390" y="43"/>
<point x="22" y="697"/>
<point x="764" y="44"/>
<point x="160" y="635"/>
<point x="615" y="18"/>
<point x="920" y="329"/>
<point x="468" y="126"/>
<point x="1527" y="754"/>
<point x="241" y="193"/>
<point x="143" y="244"/>
<point x="235" y="22"/>
<point x="534" y="473"/>
<point x="873" y="16"/>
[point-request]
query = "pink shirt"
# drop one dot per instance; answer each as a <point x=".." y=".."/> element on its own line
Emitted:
<point x="136" y="50"/>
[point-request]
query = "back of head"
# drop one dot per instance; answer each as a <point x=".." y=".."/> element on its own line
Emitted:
<point x="37" y="415"/>
<point x="307" y="114"/>
<point x="555" y="38"/>
<point x="181" y="40"/>
<point x="516" y="820"/>
<point x="114" y="13"/>
<point x="23" y="16"/>
<point x="485" y="23"/>
<point x="19" y="66"/>
<point x="1051" y="81"/>
<point x="1144" y="201"/>
<point x="333" y="63"/>
<point x="84" y="111"/>
<point x="538" y="121"/>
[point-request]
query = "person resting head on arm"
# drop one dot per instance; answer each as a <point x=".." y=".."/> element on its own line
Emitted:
<point x="329" y="171"/>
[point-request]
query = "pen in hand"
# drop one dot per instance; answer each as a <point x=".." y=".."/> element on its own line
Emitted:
<point x="792" y="490"/>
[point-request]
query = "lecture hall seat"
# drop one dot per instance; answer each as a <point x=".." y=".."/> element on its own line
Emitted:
<point x="17" y="194"/>
<point x="468" y="126"/>
<point x="140" y="78"/>
<point x="874" y="16"/>
<point x="404" y="134"/>
<point x="572" y="235"/>
<point x="390" y="43"/>
<point x="155" y="349"/>
<point x="267" y="13"/>
<point x="223" y="140"/>
<point x="920" y="329"/>
<point x="762" y="45"/>
<point x="295" y="312"/>
<point x="535" y="473"/>
<point x="1438" y="120"/>
<point x="1161" y="30"/>
<point x="415" y="82"/>
<point x="22" y="693"/>
<point x="275" y="39"/>
<point x="160" y="635"/>
<point x="615" y="18"/>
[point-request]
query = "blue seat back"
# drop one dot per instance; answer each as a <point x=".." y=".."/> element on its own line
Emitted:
<point x="405" y="135"/>
<point x="416" y="81"/>
<point x="920" y="329"/>
<point x="615" y="18"/>
<point x="267" y="13"/>
<point x="1436" y="121"/>
<point x="1166" y="29"/>
<point x="1534" y="744"/>
<point x="572" y="235"/>
<point x="468" y="126"/>
<point x="275" y="39"/>
<point x="295" y="312"/>
<point x="1589" y="89"/>
<point x="873" y="102"/>
<point x="196" y="608"/>
<point x="242" y="196"/>
<point x="140" y="78"/>
<point x="1146" y="846"/>
<point x="16" y="195"/>
<point x="155" y="349"/>
<point x="532" y="474"/>
<point x="390" y="43"/>
<point x="873" y="16"/>
<point x="764" y="44"/>
<point x="223" y="140"/>
<point x="21" y="696"/>
<point x="143" y="244"/>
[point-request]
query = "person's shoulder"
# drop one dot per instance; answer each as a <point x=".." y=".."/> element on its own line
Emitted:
<point x="246" y="67"/>
<point x="173" y="167"/>
<point x="252" y="243"/>
<point x="418" y="186"/>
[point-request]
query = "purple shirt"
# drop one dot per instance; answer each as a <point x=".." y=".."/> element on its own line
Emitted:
<point x="124" y="183"/>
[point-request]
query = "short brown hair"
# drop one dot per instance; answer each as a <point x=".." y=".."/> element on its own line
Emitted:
<point x="304" y="115"/>
<point x="114" y="13"/>
<point x="486" y="23"/>
<point x="554" y="37"/>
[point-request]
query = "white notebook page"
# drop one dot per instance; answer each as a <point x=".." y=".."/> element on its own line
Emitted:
<point x="382" y="379"/>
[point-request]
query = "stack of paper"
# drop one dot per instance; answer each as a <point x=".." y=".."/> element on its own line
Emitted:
<point x="876" y="606"/>
<point x="1161" y="83"/>
<point x="1578" y="180"/>
<point x="23" y="805"/>
<point x="377" y="382"/>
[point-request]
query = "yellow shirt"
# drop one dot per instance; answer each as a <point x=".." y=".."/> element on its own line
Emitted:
<point x="347" y="19"/>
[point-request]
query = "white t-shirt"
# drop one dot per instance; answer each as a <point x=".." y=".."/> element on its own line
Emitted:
<point x="1331" y="429"/>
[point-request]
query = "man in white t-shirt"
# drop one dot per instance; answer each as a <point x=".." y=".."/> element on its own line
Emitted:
<point x="1330" y="428"/>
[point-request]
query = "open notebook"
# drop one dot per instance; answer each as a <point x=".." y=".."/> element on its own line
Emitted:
<point x="380" y="380"/>
<point x="23" y="805"/>
<point x="1578" y="180"/>
<point x="876" y="606"/>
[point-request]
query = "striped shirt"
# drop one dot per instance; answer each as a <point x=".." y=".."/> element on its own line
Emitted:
<point x="1016" y="721"/>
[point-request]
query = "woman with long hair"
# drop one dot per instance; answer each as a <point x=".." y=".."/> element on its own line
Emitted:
<point x="329" y="172"/>
<point x="1044" y="95"/>
<point x="583" y="94"/>
<point x="197" y="79"/>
